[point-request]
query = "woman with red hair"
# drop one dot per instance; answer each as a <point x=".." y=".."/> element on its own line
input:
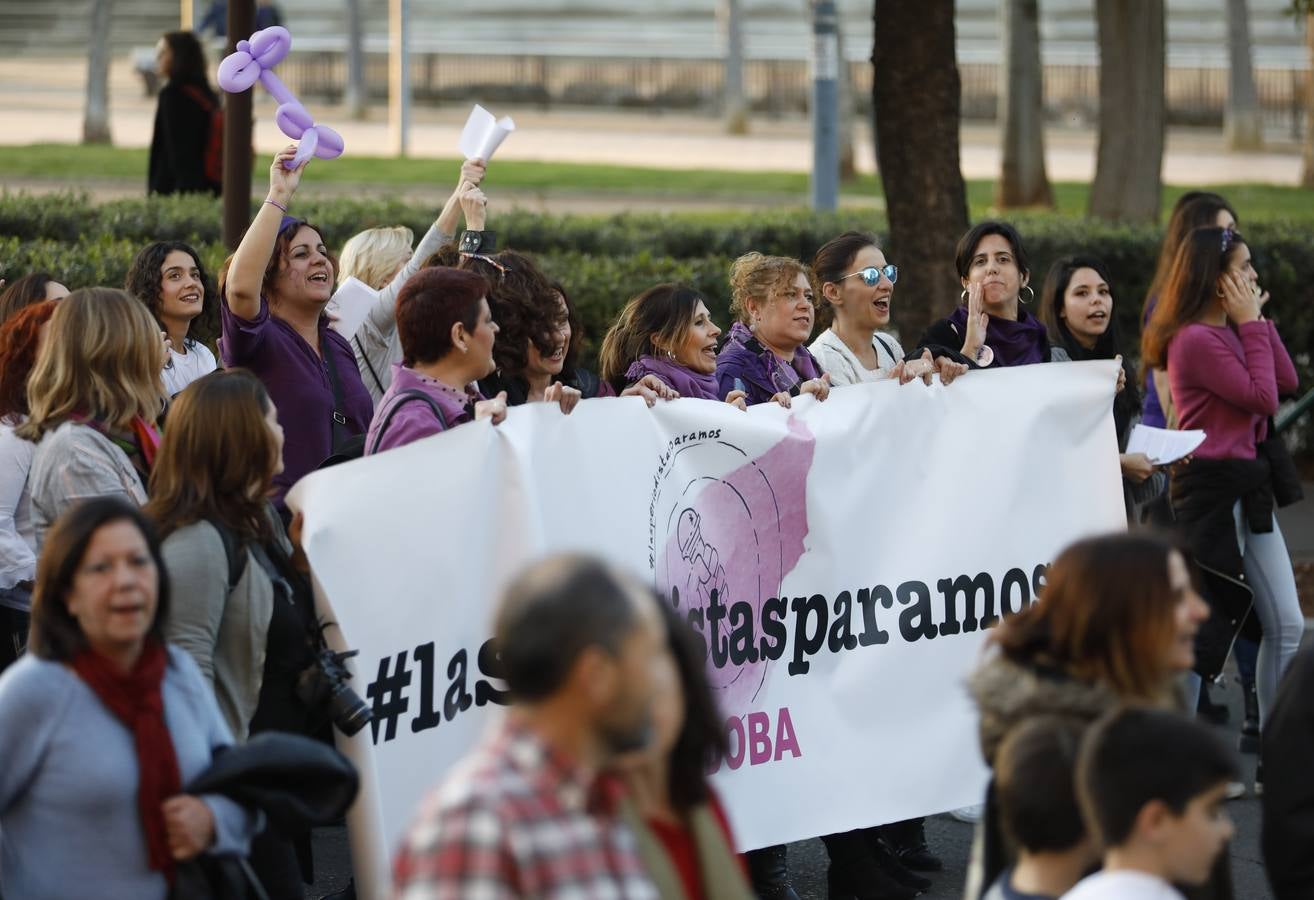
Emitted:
<point x="20" y="336"/>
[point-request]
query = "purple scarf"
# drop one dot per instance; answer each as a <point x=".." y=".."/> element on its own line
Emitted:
<point x="745" y="356"/>
<point x="1016" y="343"/>
<point x="680" y="378"/>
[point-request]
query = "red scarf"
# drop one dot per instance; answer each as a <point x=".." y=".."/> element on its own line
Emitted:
<point x="137" y="701"/>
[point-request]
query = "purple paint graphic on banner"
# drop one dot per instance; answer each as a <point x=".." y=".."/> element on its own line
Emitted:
<point x="730" y="540"/>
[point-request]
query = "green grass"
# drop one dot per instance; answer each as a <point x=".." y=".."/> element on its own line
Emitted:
<point x="44" y="161"/>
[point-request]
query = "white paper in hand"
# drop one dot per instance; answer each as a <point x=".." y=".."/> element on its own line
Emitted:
<point x="1163" y="446"/>
<point x="349" y="306"/>
<point x="483" y="134"/>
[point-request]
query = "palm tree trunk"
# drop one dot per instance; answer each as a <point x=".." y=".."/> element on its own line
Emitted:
<point x="1243" y="121"/>
<point x="1022" y="177"/>
<point x="95" y="118"/>
<point x="357" y="93"/>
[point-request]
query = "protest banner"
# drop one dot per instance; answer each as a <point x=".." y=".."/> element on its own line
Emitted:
<point x="843" y="560"/>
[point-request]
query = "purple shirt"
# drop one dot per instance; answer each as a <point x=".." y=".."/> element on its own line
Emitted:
<point x="745" y="365"/>
<point x="414" y="419"/>
<point x="297" y="380"/>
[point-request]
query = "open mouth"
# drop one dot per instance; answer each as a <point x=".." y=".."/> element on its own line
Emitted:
<point x="319" y="278"/>
<point x="1098" y="316"/>
<point x="710" y="351"/>
<point x="882" y="304"/>
<point x="190" y="297"/>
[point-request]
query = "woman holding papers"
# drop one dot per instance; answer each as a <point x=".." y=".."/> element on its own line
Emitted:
<point x="278" y="284"/>
<point x="383" y="260"/>
<point x="1227" y="367"/>
<point x="993" y="327"/>
<point x="1076" y="307"/>
<point x="765" y="354"/>
<point x="857" y="285"/>
<point x="169" y="277"/>
<point x="447" y="339"/>
<point x="666" y="333"/>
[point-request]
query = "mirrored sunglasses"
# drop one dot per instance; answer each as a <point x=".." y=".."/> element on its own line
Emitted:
<point x="871" y="276"/>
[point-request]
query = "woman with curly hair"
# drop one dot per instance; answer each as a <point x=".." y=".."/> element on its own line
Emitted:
<point x="20" y="337"/>
<point x="169" y="277"/>
<point x="538" y="338"/>
<point x="766" y="355"/>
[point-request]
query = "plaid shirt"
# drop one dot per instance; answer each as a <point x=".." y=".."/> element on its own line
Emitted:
<point x="516" y="819"/>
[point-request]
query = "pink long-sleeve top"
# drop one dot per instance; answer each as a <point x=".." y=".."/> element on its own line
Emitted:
<point x="1226" y="382"/>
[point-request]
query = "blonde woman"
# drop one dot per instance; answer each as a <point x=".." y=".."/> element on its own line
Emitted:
<point x="382" y="258"/>
<point x="93" y="394"/>
<point x="765" y="356"/>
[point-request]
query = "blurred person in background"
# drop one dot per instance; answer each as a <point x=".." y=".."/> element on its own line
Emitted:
<point x="184" y="118"/>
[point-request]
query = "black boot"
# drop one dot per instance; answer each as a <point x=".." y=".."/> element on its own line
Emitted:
<point x="889" y="862"/>
<point x="769" y="870"/>
<point x="1250" y="723"/>
<point x="908" y="841"/>
<point x="855" y="874"/>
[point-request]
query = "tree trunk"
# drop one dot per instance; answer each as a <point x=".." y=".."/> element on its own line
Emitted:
<point x="916" y="95"/>
<point x="1129" y="160"/>
<point x="357" y="93"/>
<point x="848" y="166"/>
<point x="1022" y="178"/>
<point x="734" y="105"/>
<point x="1243" y="123"/>
<point x="95" y="119"/>
<point x="1307" y="151"/>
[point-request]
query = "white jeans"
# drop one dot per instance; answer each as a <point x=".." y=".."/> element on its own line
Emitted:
<point x="1268" y="569"/>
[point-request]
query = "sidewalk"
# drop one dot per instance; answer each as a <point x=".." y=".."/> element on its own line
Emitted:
<point x="41" y="101"/>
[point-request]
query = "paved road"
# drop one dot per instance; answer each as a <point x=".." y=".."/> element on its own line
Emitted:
<point x="950" y="839"/>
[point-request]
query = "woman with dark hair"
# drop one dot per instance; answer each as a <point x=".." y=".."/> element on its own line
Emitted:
<point x="1076" y="307"/>
<point x="280" y="280"/>
<point x="665" y="333"/>
<point x="169" y="277"/>
<point x="857" y="285"/>
<point x="183" y="118"/>
<point x="1227" y="368"/>
<point x="1194" y="209"/>
<point x="765" y="354"/>
<point x="20" y="337"/>
<point x="682" y="833"/>
<point x="27" y="290"/>
<point x="113" y="724"/>
<point x="992" y="328"/>
<point x="447" y="337"/>
<point x="241" y="609"/>
<point x="1116" y="623"/>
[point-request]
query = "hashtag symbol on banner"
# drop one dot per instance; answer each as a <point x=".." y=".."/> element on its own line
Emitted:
<point x="388" y="691"/>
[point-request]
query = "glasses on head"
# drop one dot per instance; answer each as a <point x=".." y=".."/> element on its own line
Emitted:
<point x="483" y="257"/>
<point x="871" y="276"/>
<point x="1230" y="236"/>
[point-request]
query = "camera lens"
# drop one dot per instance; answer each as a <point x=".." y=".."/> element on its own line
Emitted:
<point x="350" y="713"/>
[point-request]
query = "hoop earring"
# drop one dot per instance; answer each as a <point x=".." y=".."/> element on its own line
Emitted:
<point x="1032" y="292"/>
<point x="963" y="296"/>
<point x="669" y="355"/>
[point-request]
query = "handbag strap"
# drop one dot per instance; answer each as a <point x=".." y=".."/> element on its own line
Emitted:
<point x="401" y="400"/>
<point x="338" y="423"/>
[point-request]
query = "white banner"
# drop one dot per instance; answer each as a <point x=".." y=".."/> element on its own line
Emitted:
<point x="843" y="560"/>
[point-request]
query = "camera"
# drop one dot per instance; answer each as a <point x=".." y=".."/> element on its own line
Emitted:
<point x="323" y="687"/>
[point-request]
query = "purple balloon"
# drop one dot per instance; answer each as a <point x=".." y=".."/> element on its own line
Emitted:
<point x="254" y="60"/>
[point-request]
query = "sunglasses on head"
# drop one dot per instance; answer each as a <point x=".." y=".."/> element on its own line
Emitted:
<point x="871" y="276"/>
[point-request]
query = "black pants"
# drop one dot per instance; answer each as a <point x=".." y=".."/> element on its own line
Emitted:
<point x="13" y="635"/>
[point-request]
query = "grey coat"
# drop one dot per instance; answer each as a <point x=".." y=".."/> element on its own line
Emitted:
<point x="225" y="632"/>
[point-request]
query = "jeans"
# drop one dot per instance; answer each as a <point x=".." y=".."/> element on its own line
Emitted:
<point x="1268" y="569"/>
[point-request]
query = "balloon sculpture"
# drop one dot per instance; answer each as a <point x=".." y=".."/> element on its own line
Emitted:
<point x="253" y="61"/>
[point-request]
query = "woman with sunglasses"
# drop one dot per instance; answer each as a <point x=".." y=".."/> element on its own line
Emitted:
<point x="857" y="284"/>
<point x="277" y="286"/>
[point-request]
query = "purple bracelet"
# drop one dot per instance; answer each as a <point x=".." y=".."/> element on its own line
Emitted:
<point x="275" y="203"/>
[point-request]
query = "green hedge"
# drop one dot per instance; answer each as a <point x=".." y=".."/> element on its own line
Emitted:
<point x="604" y="261"/>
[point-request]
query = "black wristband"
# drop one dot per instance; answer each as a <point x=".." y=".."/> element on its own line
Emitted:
<point x="484" y="242"/>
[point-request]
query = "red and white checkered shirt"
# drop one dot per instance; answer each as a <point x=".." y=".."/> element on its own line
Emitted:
<point x="517" y="819"/>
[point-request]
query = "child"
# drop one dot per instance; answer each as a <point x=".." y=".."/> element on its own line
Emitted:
<point x="1152" y="785"/>
<point x="1038" y="810"/>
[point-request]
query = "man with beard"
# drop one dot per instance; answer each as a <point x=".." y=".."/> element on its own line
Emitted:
<point x="532" y="813"/>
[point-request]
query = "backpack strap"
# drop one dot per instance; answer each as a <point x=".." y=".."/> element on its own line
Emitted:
<point x="234" y="551"/>
<point x="401" y="400"/>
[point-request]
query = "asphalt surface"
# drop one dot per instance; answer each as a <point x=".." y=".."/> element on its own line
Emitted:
<point x="949" y="839"/>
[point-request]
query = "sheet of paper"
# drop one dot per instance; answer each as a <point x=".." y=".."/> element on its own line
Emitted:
<point x="350" y="303"/>
<point x="1163" y="446"/>
<point x="483" y="134"/>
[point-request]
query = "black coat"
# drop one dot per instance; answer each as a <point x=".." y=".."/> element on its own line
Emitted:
<point x="1288" y="799"/>
<point x="182" y="132"/>
<point x="943" y="339"/>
